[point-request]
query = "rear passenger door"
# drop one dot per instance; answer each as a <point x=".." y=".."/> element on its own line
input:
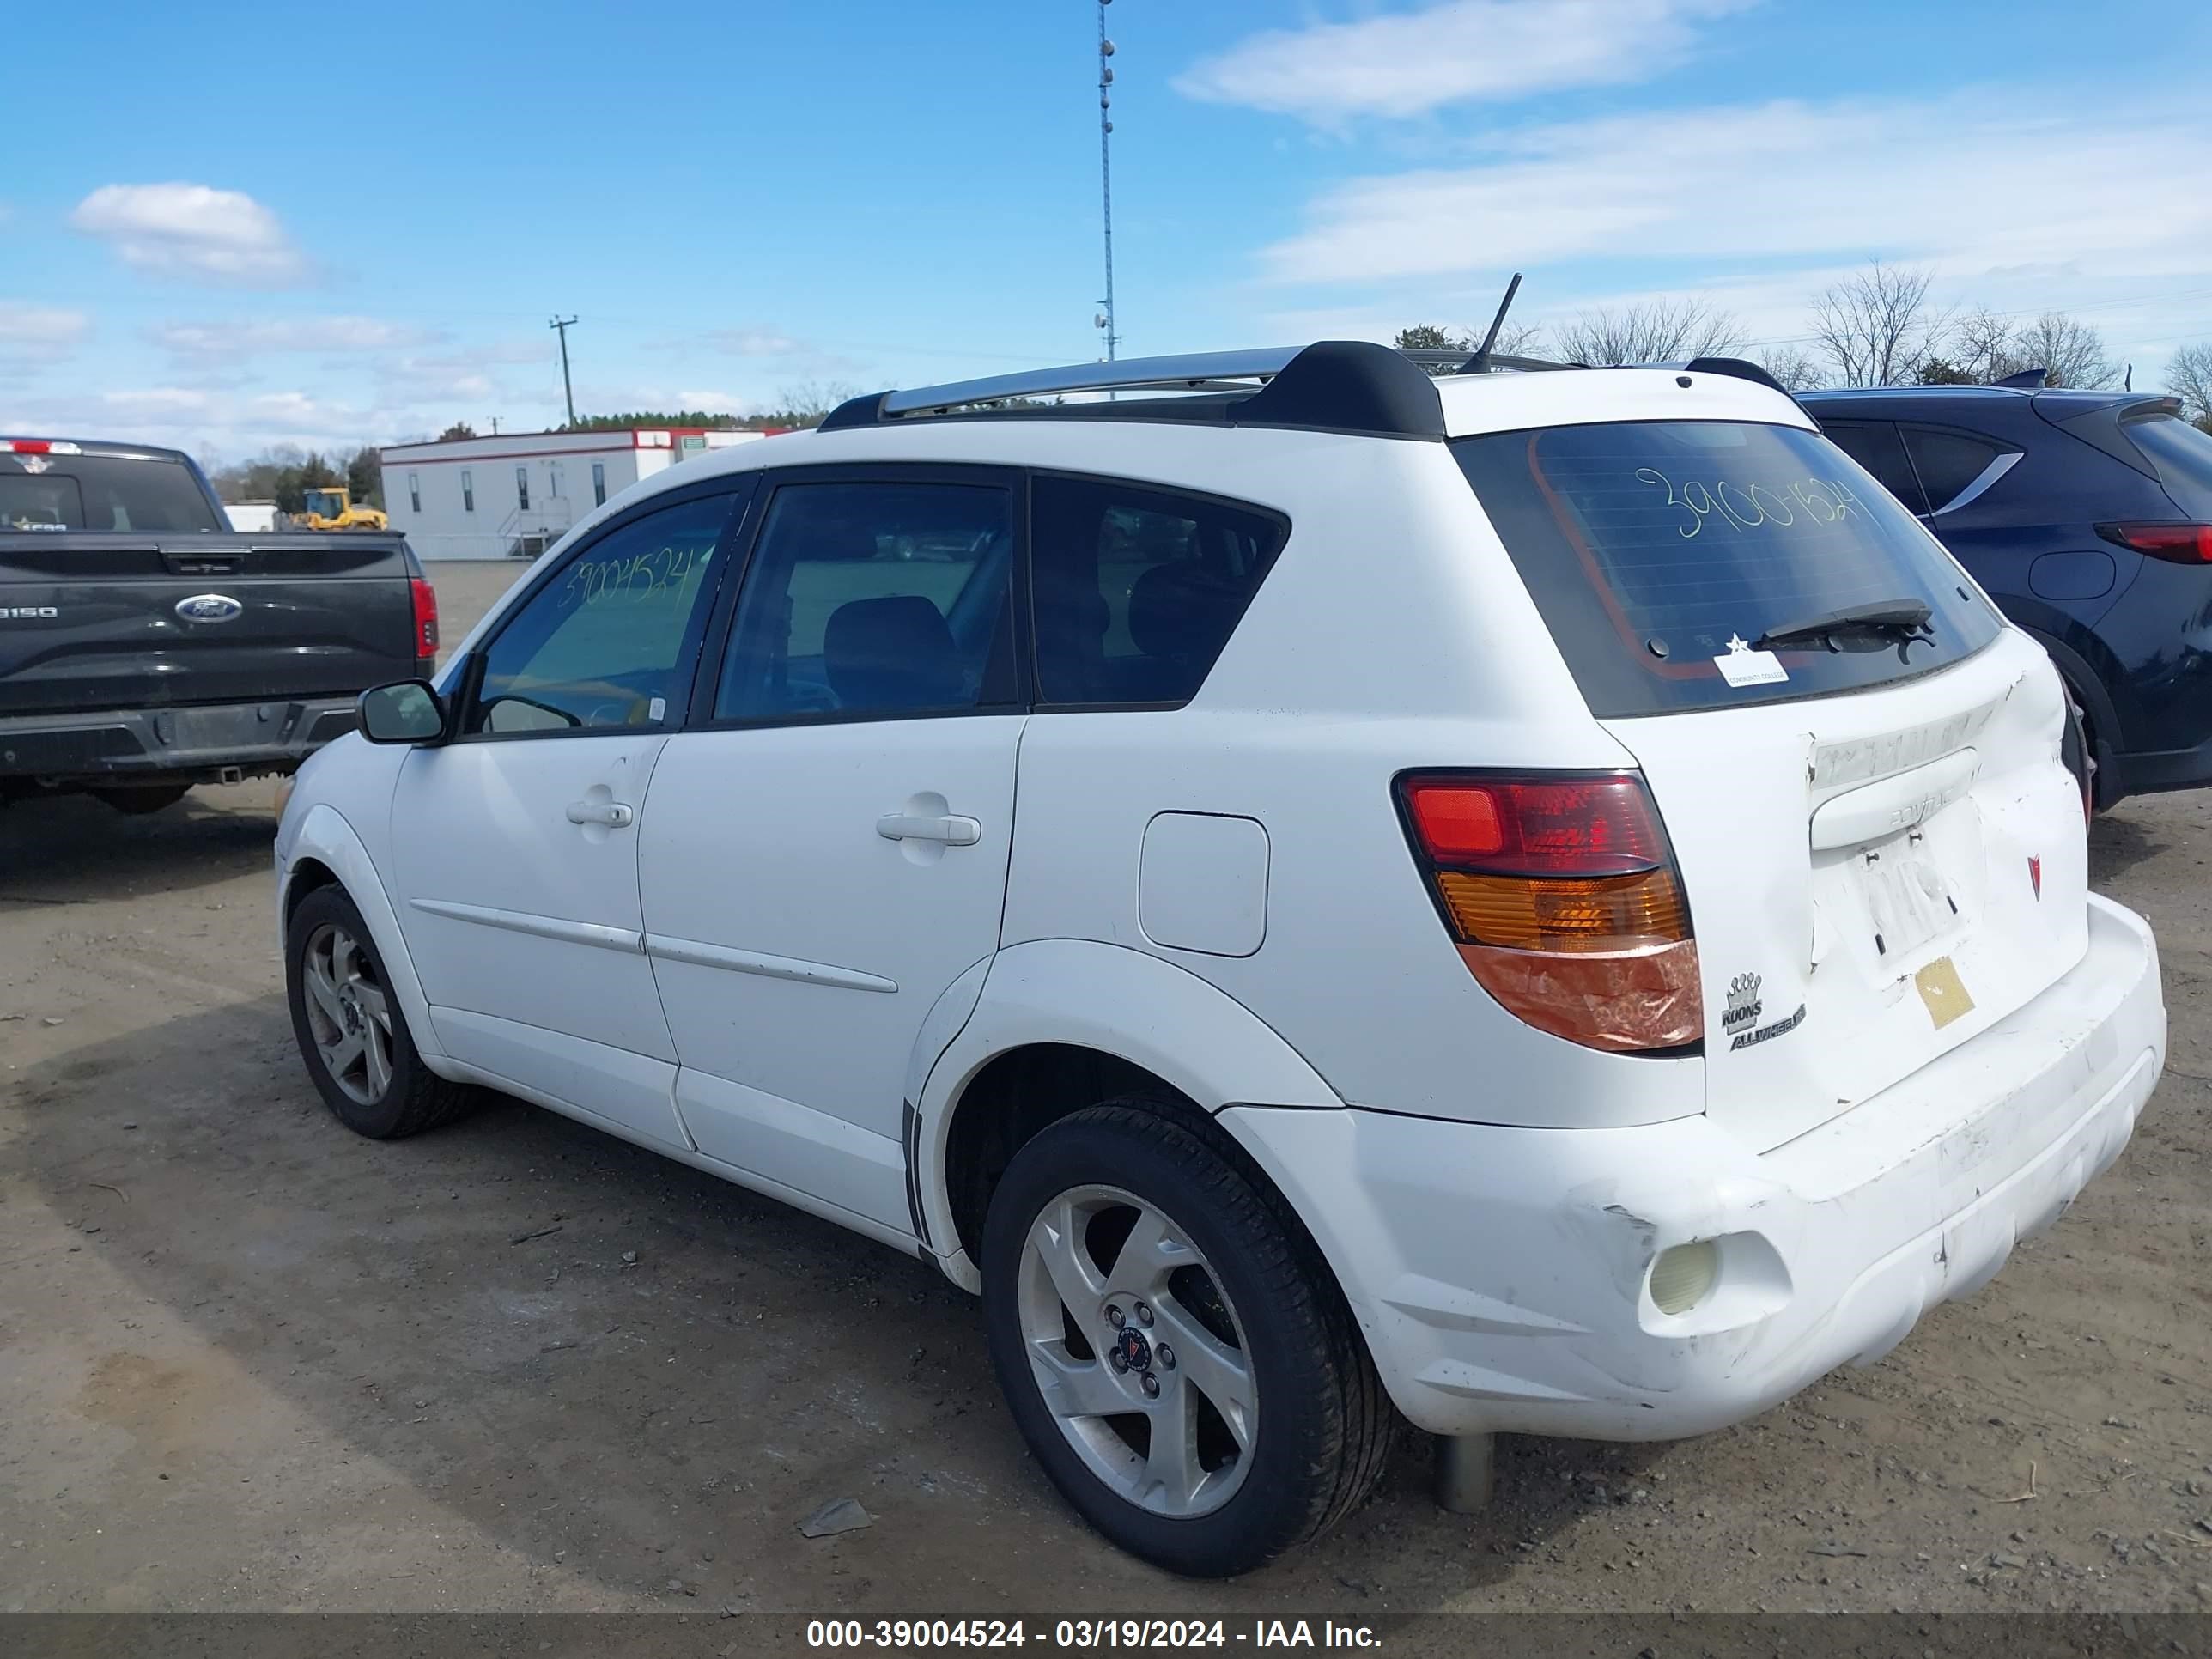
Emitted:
<point x="824" y="851"/>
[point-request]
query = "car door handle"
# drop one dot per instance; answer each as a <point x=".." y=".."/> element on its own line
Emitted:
<point x="952" y="831"/>
<point x="614" y="814"/>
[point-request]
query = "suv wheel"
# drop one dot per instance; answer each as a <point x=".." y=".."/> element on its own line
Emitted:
<point x="1173" y="1347"/>
<point x="350" y="1030"/>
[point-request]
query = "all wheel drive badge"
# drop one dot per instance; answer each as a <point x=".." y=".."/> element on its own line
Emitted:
<point x="1744" y="1007"/>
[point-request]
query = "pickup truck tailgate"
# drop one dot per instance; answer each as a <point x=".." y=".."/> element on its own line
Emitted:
<point x="94" y="621"/>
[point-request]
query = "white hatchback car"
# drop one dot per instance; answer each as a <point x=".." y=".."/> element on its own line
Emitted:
<point x="1546" y="902"/>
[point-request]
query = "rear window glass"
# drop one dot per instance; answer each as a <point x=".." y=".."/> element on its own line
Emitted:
<point x="1137" y="590"/>
<point x="2182" y="455"/>
<point x="1653" y="549"/>
<point x="100" y="492"/>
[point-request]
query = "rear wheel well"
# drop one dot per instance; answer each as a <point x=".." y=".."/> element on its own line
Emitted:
<point x="1017" y="1095"/>
<point x="1020" y="1092"/>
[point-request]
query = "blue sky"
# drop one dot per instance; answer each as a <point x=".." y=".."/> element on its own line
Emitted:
<point x="225" y="229"/>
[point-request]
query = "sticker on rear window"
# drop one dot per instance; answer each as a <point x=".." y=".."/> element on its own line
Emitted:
<point x="1744" y="666"/>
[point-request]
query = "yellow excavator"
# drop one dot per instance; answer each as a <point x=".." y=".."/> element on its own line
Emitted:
<point x="331" y="507"/>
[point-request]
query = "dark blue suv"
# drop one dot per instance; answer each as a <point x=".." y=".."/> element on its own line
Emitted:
<point x="2088" y="516"/>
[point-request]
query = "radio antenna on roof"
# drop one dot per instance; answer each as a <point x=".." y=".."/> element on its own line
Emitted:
<point x="1480" y="361"/>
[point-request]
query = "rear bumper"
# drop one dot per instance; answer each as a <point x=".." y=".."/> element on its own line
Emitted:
<point x="1500" y="1274"/>
<point x="196" y="743"/>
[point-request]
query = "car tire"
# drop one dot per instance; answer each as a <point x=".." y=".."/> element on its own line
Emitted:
<point x="352" y="1032"/>
<point x="1281" y="1426"/>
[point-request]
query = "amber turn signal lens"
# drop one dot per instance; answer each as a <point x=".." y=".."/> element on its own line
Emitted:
<point x="1612" y="913"/>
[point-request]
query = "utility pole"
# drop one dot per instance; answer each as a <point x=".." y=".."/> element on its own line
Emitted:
<point x="1105" y="319"/>
<point x="561" y="326"/>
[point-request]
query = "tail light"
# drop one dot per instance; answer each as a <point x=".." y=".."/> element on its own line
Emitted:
<point x="1561" y="893"/>
<point x="2177" y="543"/>
<point x="426" y="617"/>
<point x="39" y="447"/>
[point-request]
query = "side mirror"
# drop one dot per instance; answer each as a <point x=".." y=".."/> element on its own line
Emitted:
<point x="406" y="711"/>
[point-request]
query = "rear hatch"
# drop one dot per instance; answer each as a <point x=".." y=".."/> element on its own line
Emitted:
<point x="1882" y="851"/>
<point x="99" y="621"/>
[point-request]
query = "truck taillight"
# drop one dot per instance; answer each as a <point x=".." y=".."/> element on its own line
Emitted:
<point x="426" y="617"/>
<point x="1562" y="894"/>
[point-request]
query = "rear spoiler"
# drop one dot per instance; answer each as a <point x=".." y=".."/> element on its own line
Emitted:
<point x="2101" y="425"/>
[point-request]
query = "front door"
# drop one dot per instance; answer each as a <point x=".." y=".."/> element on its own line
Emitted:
<point x="829" y="855"/>
<point x="515" y="846"/>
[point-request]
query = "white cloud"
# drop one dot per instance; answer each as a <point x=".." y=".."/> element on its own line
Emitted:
<point x="38" y="337"/>
<point x="757" y="342"/>
<point x="194" y="231"/>
<point x="1401" y="63"/>
<point x="326" y="334"/>
<point x="1831" y="183"/>
<point x="461" y="376"/>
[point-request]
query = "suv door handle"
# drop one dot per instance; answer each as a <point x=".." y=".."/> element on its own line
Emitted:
<point x="614" y="814"/>
<point x="952" y="831"/>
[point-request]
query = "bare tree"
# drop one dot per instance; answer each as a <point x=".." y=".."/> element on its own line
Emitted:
<point x="1982" y="346"/>
<point x="2188" y="377"/>
<point x="2071" y="351"/>
<point x="1796" y="371"/>
<point x="1877" y="327"/>
<point x="1661" y="332"/>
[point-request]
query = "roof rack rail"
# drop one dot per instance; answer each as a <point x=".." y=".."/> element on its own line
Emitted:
<point x="1741" y="367"/>
<point x="1339" y="385"/>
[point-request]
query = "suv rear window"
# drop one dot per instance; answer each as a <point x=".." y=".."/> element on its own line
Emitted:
<point x="1649" y="547"/>
<point x="2182" y="455"/>
<point x="100" y="492"/>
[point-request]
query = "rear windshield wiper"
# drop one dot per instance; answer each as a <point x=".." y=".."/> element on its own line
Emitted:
<point x="1906" y="618"/>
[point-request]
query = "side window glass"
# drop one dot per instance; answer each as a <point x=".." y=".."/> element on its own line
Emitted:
<point x="608" y="643"/>
<point x="1875" y="446"/>
<point x="1137" y="590"/>
<point x="1948" y="462"/>
<point x="874" y="598"/>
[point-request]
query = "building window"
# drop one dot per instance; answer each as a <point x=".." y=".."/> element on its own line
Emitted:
<point x="522" y="487"/>
<point x="553" y="490"/>
<point x="468" y="491"/>
<point x="598" y="483"/>
<point x="414" y="491"/>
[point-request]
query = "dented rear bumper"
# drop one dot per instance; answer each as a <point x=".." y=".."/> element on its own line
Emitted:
<point x="1501" y="1275"/>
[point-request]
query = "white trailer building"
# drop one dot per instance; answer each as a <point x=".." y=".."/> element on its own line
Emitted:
<point x="513" y="494"/>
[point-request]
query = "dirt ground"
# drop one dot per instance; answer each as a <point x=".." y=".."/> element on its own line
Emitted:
<point x="250" y="1362"/>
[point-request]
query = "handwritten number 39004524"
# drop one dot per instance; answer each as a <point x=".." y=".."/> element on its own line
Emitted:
<point x="1745" y="506"/>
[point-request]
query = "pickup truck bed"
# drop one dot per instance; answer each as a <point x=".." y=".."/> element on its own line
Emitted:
<point x="133" y="665"/>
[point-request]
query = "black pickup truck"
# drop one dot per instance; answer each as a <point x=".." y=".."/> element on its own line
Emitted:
<point x="145" y="646"/>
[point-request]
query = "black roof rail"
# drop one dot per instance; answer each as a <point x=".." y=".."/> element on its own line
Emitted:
<point x="1741" y="367"/>
<point x="1337" y="386"/>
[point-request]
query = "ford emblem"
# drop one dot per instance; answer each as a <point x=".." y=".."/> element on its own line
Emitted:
<point x="210" y="608"/>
